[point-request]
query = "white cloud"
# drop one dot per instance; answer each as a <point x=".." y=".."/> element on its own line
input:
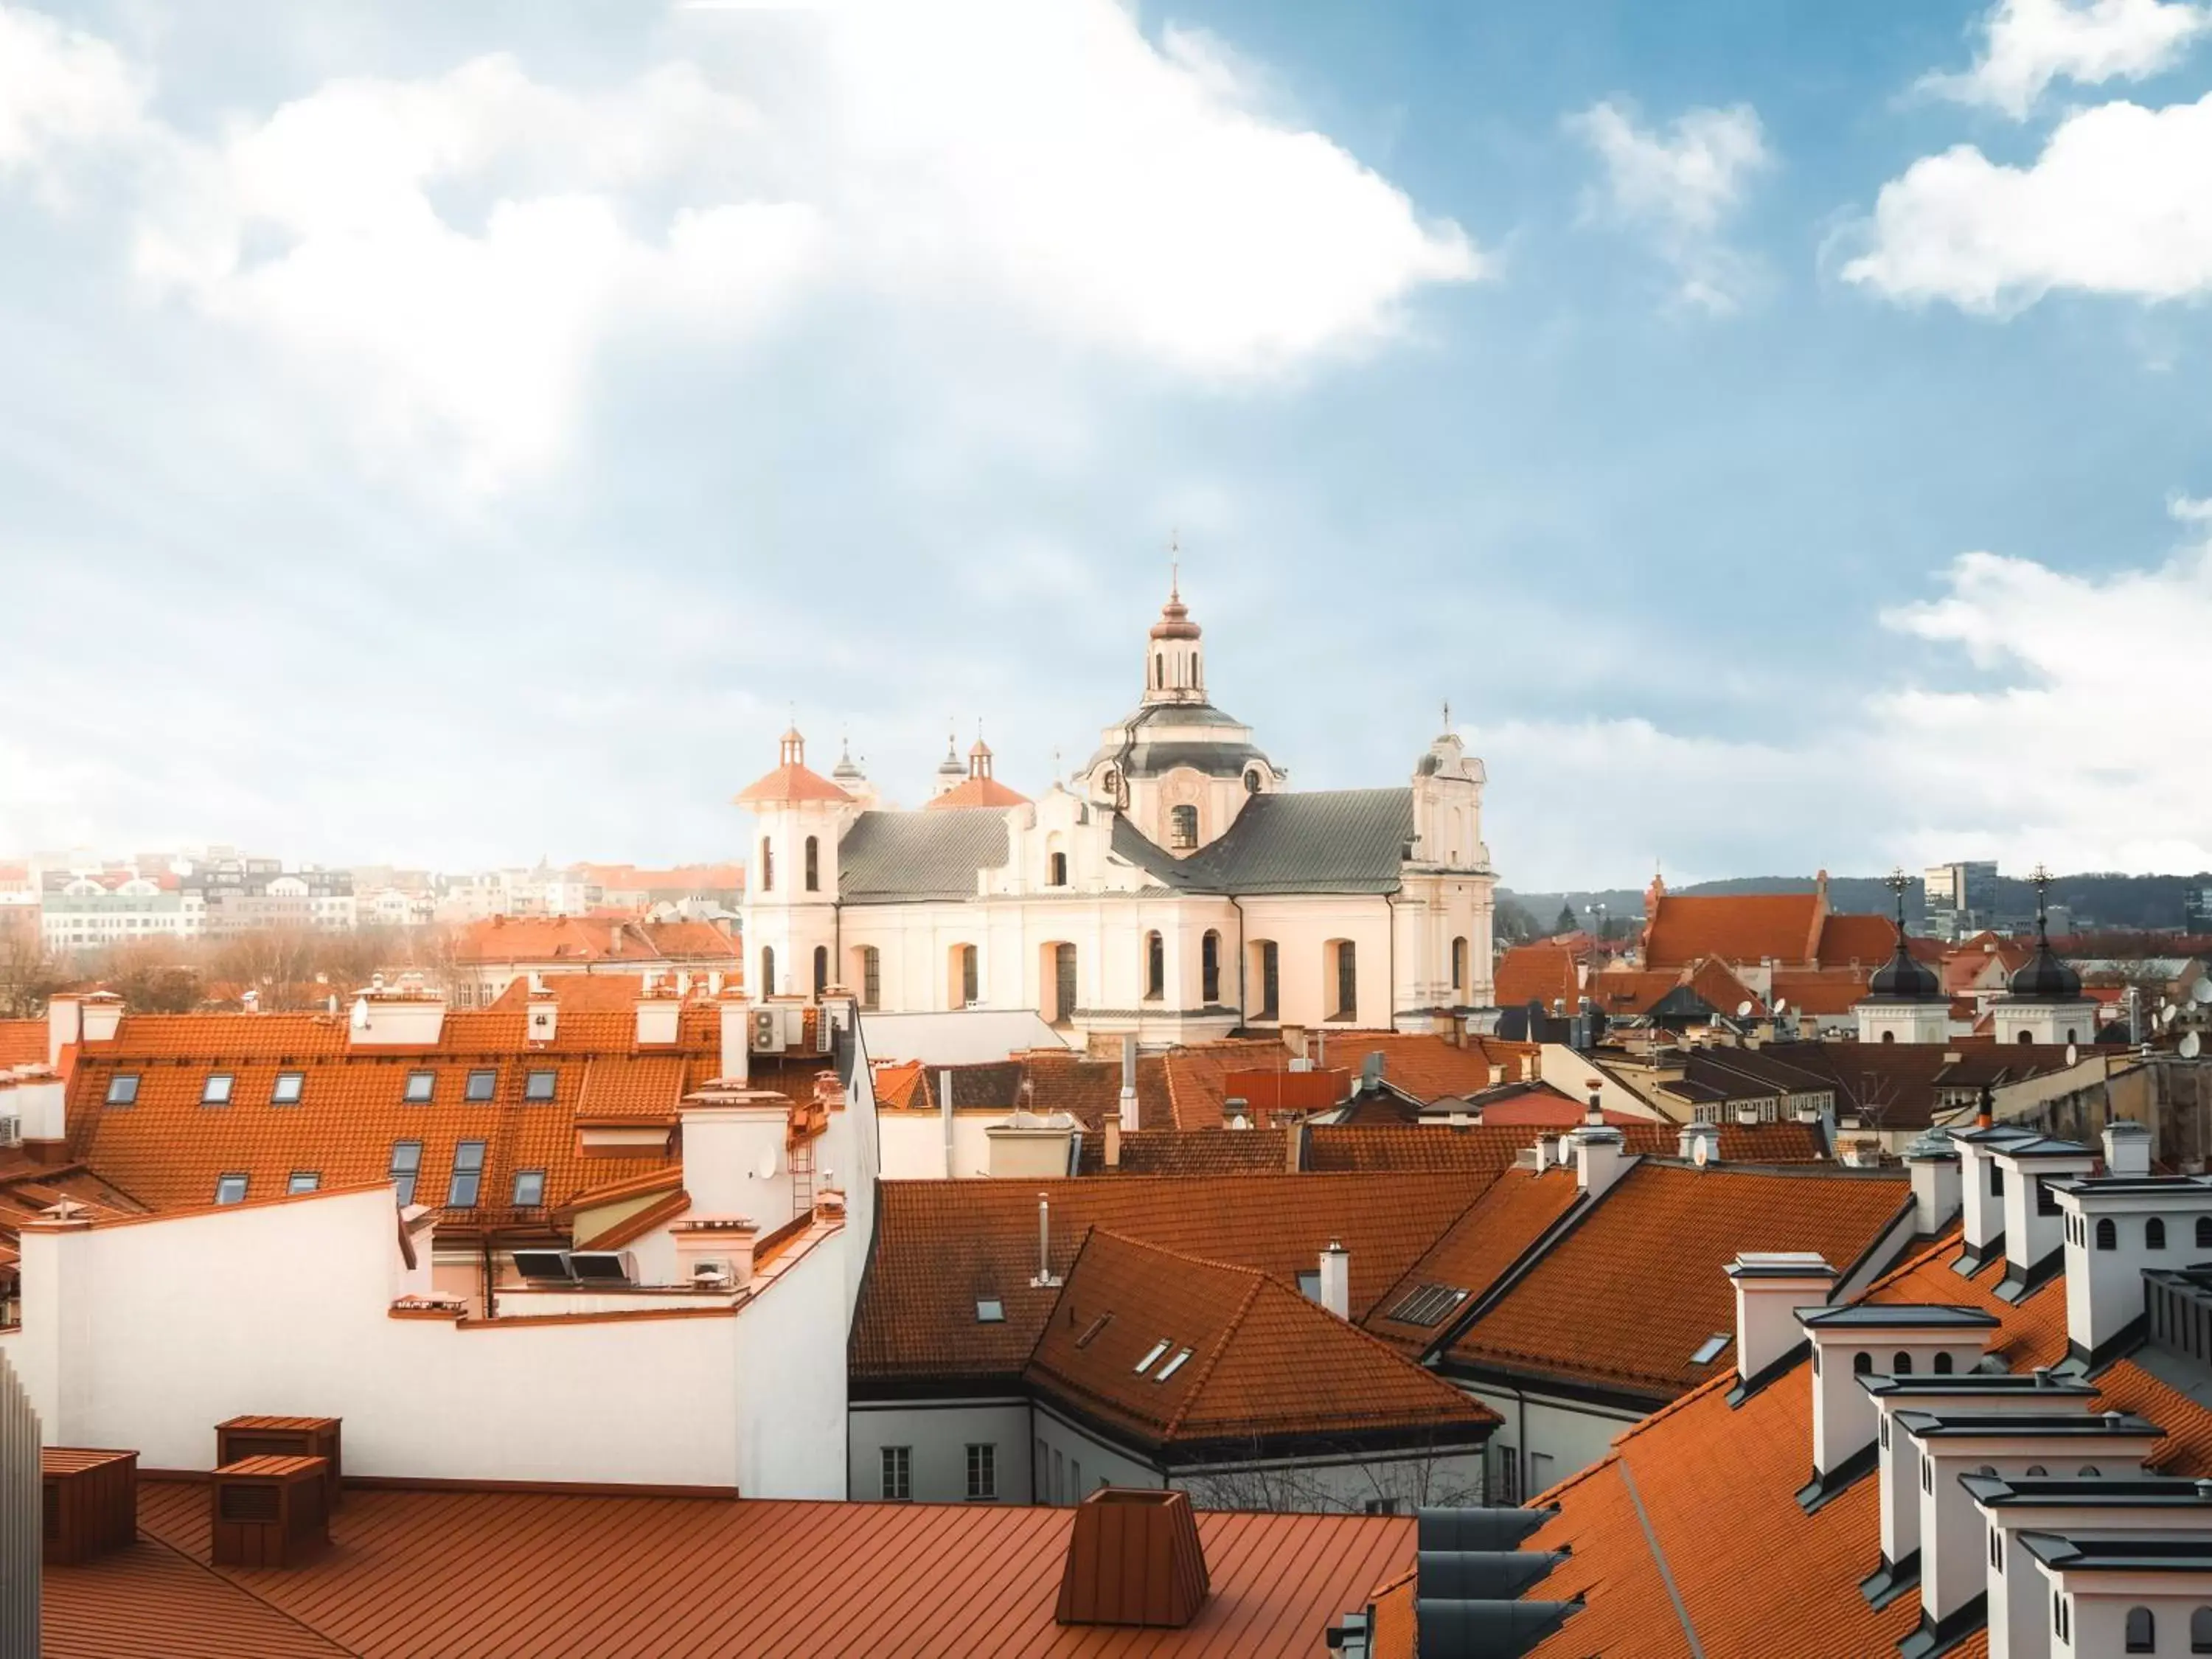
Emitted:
<point x="1681" y="183"/>
<point x="445" y="256"/>
<point x="2029" y="43"/>
<point x="60" y="89"/>
<point x="2069" y="748"/>
<point x="2118" y="202"/>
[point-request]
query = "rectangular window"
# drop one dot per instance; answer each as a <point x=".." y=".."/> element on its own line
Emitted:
<point x="406" y="1164"/>
<point x="2046" y="1201"/>
<point x="1539" y="1473"/>
<point x="468" y="1176"/>
<point x="898" y="1474"/>
<point x="871" y="977"/>
<point x="982" y="1472"/>
<point x="1059" y="1476"/>
<point x="122" y="1089"/>
<point x="538" y="1086"/>
<point x="215" y="1092"/>
<point x="1037" y="1473"/>
<point x="1380" y="1506"/>
<point x="1310" y="1284"/>
<point x="481" y="1084"/>
<point x="286" y="1090"/>
<point x="1996" y="1179"/>
<point x="1270" y="980"/>
<point x="1348" y="980"/>
<point x="1509" y="1478"/>
<point x="303" y="1181"/>
<point x="230" y="1189"/>
<point x="1074" y="1481"/>
<point x="420" y="1087"/>
<point x="970" y="983"/>
<point x="529" y="1188"/>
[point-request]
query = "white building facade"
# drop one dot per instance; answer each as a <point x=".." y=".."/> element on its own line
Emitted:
<point x="1178" y="889"/>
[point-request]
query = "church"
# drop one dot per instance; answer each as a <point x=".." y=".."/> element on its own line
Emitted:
<point x="1176" y="888"/>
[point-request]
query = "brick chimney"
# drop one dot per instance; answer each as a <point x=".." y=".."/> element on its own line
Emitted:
<point x="1133" y="1560"/>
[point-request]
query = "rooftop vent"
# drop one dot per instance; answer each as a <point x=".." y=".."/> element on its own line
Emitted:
<point x="1133" y="1558"/>
<point x="269" y="1512"/>
<point x="91" y="1503"/>
<point x="242" y="1438"/>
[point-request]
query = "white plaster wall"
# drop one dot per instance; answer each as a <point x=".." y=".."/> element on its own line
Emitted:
<point x="146" y="1336"/>
<point x="1064" y="1445"/>
<point x="939" y="1435"/>
<point x="1573" y="1435"/>
<point x="914" y="1144"/>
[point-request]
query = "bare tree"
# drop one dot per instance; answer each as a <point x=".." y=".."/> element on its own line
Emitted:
<point x="29" y="973"/>
<point x="1349" y="1479"/>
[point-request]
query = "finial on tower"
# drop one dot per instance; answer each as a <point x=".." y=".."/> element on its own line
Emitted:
<point x="1447" y="714"/>
<point x="1175" y="564"/>
<point x="1896" y="881"/>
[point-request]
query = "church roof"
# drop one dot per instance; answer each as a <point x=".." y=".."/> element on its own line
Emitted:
<point x="1163" y="736"/>
<point x="888" y="857"/>
<point x="1331" y="841"/>
<point x="790" y="781"/>
<point x="975" y="791"/>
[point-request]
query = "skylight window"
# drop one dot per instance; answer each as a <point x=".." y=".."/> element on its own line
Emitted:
<point x="230" y="1189"/>
<point x="304" y="1181"/>
<point x="529" y="1188"/>
<point x="1090" y="1331"/>
<point x="1426" y="1304"/>
<point x="481" y="1085"/>
<point x="468" y="1176"/>
<point x="1708" y="1350"/>
<point x="989" y="1310"/>
<point x="1310" y="1284"/>
<point x="1152" y="1358"/>
<point x="538" y="1086"/>
<point x="288" y="1087"/>
<point x="420" y="1086"/>
<point x="215" y="1092"/>
<point x="122" y="1089"/>
<point x="406" y="1164"/>
<point x="1173" y="1366"/>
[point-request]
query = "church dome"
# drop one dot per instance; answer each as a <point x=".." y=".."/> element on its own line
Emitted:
<point x="2045" y="978"/>
<point x="1175" y="622"/>
<point x="1904" y="978"/>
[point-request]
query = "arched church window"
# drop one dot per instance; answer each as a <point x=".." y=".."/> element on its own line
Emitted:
<point x="767" y="865"/>
<point x="1056" y="874"/>
<point x="768" y="970"/>
<point x="1252" y="780"/>
<point x="871" y="977"/>
<point x="1889" y="1036"/>
<point x="1209" y="968"/>
<point x="1183" y="826"/>
<point x="1345" y="964"/>
<point x="2027" y="1036"/>
<point x="813" y="864"/>
<point x="821" y="969"/>
<point x="1156" y="967"/>
<point x="1267" y="971"/>
<point x="1459" y="968"/>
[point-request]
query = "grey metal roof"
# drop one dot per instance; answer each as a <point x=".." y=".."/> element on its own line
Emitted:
<point x="1332" y="840"/>
<point x="1155" y="745"/>
<point x="888" y="857"/>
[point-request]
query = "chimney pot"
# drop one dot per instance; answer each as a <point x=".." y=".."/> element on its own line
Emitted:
<point x="1133" y="1558"/>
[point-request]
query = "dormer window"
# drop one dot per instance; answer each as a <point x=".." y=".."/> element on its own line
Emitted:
<point x="215" y="1092"/>
<point x="1252" y="780"/>
<point x="230" y="1189"/>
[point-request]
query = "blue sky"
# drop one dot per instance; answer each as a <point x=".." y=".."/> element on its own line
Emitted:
<point x="456" y="434"/>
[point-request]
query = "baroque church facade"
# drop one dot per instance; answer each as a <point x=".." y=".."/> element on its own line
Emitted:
<point x="1176" y="888"/>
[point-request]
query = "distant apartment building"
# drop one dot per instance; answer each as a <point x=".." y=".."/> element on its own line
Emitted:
<point x="255" y="894"/>
<point x="1962" y="898"/>
<point x="97" y="910"/>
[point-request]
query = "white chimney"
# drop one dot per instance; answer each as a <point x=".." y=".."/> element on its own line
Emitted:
<point x="736" y="1062"/>
<point x="1934" y="1163"/>
<point x="658" y="1019"/>
<point x="39" y="1100"/>
<point x="2114" y="1228"/>
<point x="1336" y="1280"/>
<point x="1981" y="1191"/>
<point x="65" y="1025"/>
<point x="2034" y="1229"/>
<point x="395" y="1020"/>
<point x="2127" y="1148"/>
<point x="103" y="1011"/>
<point x="1866" y="1339"/>
<point x="735" y="1165"/>
<point x="541" y="1017"/>
<point x="1128" y="1102"/>
<point x="1771" y="1287"/>
<point x="1601" y="1157"/>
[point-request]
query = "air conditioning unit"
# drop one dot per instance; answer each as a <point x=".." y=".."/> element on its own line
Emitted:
<point x="768" y="1031"/>
<point x="603" y="1267"/>
<point x="11" y="1130"/>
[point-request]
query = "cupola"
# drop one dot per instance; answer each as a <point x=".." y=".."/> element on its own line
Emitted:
<point x="1175" y="669"/>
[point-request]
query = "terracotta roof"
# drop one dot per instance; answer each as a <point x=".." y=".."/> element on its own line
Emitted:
<point x="1428" y="1067"/>
<point x="1488" y="1149"/>
<point x="791" y="781"/>
<point x="1736" y="927"/>
<point x="1540" y="1106"/>
<point x="1867" y="941"/>
<point x="975" y="791"/>
<point x="1828" y="991"/>
<point x="1474" y="1253"/>
<point x="22" y="1043"/>
<point x="445" y="1574"/>
<point x="941" y="1245"/>
<point x="591" y="939"/>
<point x="1544" y="973"/>
<point x="1239" y="1334"/>
<point x="598" y="994"/>
<point x="1718" y="1489"/>
<point x="1191" y="1152"/>
<point x="1642" y="1271"/>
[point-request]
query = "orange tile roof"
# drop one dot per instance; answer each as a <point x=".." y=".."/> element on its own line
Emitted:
<point x="1428" y="1067"/>
<point x="1718" y="1487"/>
<point x="1475" y="1252"/>
<point x="1191" y="1152"/>
<point x="791" y="781"/>
<point x="1642" y="1271"/>
<point x="1735" y="927"/>
<point x="1867" y="941"/>
<point x="975" y="791"/>
<point x="508" y="1575"/>
<point x="22" y="1043"/>
<point x="593" y="939"/>
<point x="598" y="994"/>
<point x="1241" y="1334"/>
<point x="1824" y="990"/>
<point x="1545" y="973"/>
<point x="940" y="1245"/>
<point x="1488" y="1149"/>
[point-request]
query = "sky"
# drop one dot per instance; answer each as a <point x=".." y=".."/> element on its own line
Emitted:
<point x="456" y="436"/>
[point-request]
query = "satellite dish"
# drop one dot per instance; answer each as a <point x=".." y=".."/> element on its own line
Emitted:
<point x="1700" y="1149"/>
<point x="2192" y="1046"/>
<point x="767" y="1164"/>
<point x="1780" y="1006"/>
<point x="360" y="1014"/>
<point x="1743" y="1008"/>
<point x="2200" y="993"/>
<point x="2073" y="1055"/>
<point x="2165" y="1014"/>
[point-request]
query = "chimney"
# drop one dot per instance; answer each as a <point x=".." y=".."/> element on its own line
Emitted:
<point x="1046" y="1278"/>
<point x="65" y="1025"/>
<point x="41" y="1102"/>
<point x="1981" y="1193"/>
<point x="1113" y="1140"/>
<point x="2034" y="1228"/>
<point x="2127" y="1148"/>
<point x="1698" y="1144"/>
<point x="542" y="1015"/>
<point x="1336" y="1280"/>
<point x="1934" y="1162"/>
<point x="1133" y="1560"/>
<point x="658" y="1017"/>
<point x="1128" y="1100"/>
<point x="2114" y="1229"/>
<point x="736" y="1062"/>
<point x="102" y="1012"/>
<point x="1601" y="1157"/>
<point x="1864" y="1339"/>
<point x="1294" y="1145"/>
<point x="1771" y="1287"/>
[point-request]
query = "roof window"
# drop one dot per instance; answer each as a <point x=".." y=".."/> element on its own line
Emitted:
<point x="420" y="1087"/>
<point x="215" y="1092"/>
<point x="529" y="1188"/>
<point x="481" y="1084"/>
<point x="303" y="1181"/>
<point x="1172" y="1366"/>
<point x="286" y="1089"/>
<point x="468" y="1176"/>
<point x="990" y="1310"/>
<point x="1090" y="1331"/>
<point x="1426" y="1304"/>
<point x="230" y="1189"/>
<point x="1310" y="1284"/>
<point x="406" y="1164"/>
<point x="1151" y="1356"/>
<point x="1708" y="1350"/>
<point x="538" y="1084"/>
<point x="122" y="1089"/>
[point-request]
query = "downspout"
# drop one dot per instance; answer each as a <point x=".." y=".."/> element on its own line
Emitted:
<point x="1244" y="995"/>
<point x="1391" y="921"/>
